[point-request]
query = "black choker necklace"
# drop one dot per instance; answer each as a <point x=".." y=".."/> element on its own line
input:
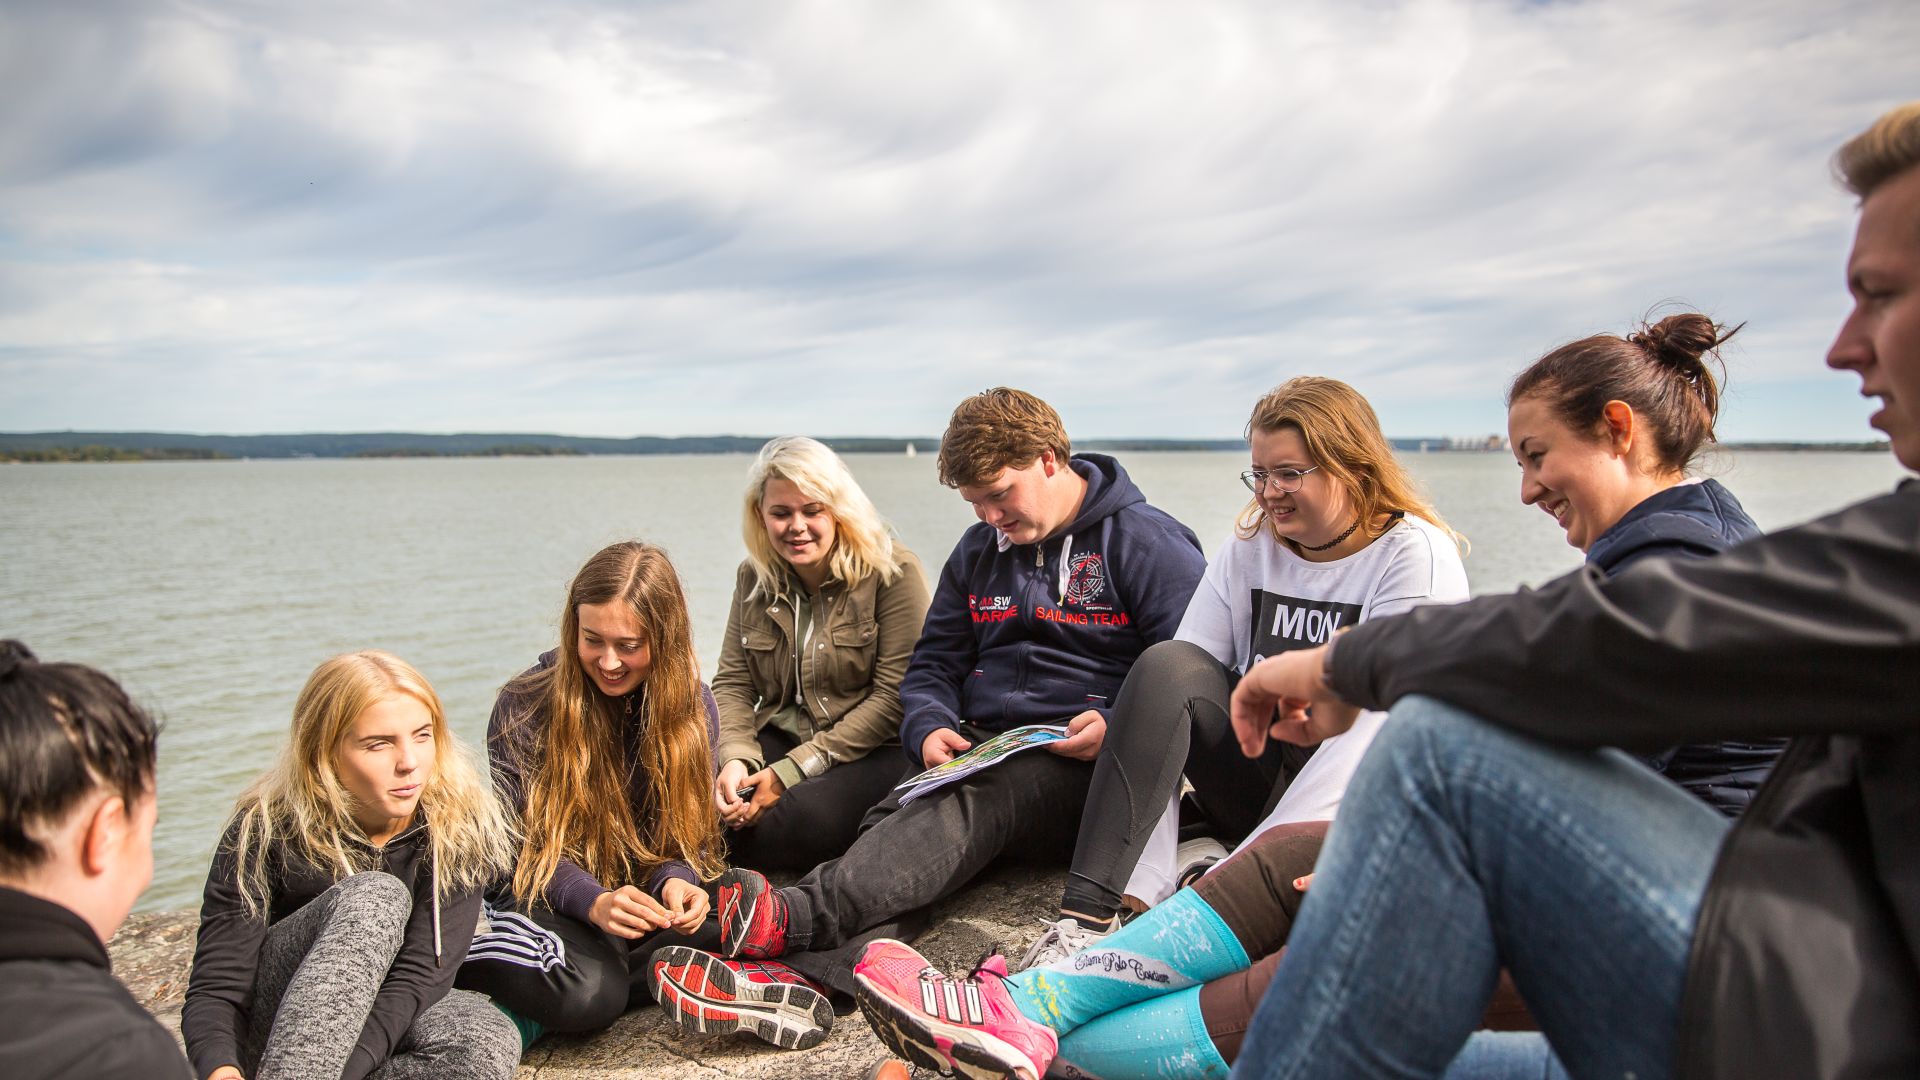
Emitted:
<point x="1332" y="542"/>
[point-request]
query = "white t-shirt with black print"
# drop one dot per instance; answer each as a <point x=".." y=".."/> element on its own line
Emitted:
<point x="1258" y="599"/>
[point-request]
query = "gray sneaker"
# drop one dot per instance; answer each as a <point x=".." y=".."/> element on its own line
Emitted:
<point x="1061" y="940"/>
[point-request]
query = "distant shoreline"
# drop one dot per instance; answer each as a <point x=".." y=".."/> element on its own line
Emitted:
<point x="113" y="446"/>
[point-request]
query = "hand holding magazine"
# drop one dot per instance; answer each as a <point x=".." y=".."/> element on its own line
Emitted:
<point x="986" y="755"/>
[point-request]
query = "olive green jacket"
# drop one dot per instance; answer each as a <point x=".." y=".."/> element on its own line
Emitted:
<point x="862" y="638"/>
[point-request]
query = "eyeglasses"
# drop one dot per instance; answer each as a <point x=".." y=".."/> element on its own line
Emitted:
<point x="1286" y="480"/>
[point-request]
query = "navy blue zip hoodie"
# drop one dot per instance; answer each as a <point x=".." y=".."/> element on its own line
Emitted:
<point x="1039" y="633"/>
<point x="1693" y="521"/>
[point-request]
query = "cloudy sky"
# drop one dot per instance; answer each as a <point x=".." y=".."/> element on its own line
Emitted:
<point x="839" y="217"/>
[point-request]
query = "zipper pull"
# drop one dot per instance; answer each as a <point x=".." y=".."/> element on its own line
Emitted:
<point x="1039" y="555"/>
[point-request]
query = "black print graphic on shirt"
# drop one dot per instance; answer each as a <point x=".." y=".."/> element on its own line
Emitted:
<point x="1281" y="622"/>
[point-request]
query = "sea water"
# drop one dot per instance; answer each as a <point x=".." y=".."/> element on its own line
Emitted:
<point x="211" y="589"/>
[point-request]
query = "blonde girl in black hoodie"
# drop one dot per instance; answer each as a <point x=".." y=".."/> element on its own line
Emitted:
<point x="344" y="895"/>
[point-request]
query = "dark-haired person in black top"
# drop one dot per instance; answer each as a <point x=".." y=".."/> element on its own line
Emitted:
<point x="76" y="848"/>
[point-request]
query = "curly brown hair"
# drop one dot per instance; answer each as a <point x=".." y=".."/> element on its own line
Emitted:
<point x="997" y="429"/>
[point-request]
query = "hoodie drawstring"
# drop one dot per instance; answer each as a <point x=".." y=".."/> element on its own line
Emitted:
<point x="433" y="868"/>
<point x="1066" y="567"/>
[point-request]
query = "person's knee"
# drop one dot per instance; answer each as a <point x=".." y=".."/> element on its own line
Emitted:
<point x="1177" y="660"/>
<point x="1421" y="724"/>
<point x="376" y="900"/>
<point x="592" y="1000"/>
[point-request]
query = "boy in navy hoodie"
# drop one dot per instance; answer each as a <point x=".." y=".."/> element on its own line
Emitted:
<point x="1038" y="614"/>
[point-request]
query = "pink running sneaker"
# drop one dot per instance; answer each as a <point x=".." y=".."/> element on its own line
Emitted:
<point x="958" y="1027"/>
<point x="753" y="915"/>
<point x="706" y="995"/>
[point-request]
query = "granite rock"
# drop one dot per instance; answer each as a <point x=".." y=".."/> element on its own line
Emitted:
<point x="1006" y="906"/>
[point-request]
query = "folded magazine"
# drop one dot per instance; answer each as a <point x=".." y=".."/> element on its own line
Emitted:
<point x="984" y="756"/>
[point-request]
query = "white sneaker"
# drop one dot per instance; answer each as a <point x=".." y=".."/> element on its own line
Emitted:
<point x="1195" y="858"/>
<point x="1061" y="940"/>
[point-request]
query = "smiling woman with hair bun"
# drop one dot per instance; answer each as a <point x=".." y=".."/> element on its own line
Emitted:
<point x="1606" y="430"/>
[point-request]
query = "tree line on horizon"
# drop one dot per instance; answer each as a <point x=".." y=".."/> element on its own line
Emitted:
<point x="56" y="446"/>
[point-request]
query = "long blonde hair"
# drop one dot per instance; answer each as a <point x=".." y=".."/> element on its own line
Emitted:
<point x="300" y="801"/>
<point x="1343" y="438"/>
<point x="577" y="788"/>
<point x="861" y="543"/>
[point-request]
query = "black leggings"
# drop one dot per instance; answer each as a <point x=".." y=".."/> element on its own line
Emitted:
<point x="562" y="973"/>
<point x="818" y="819"/>
<point x="1170" y="717"/>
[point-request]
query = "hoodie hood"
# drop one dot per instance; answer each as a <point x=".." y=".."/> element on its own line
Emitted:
<point x="1109" y="491"/>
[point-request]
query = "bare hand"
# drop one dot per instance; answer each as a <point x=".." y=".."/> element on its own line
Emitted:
<point x="226" y="1072"/>
<point x="687" y="904"/>
<point x="733" y="777"/>
<point x="1290" y="685"/>
<point x="940" y="747"/>
<point x="627" y="912"/>
<point x="1300" y="883"/>
<point x="1086" y="733"/>
<point x="767" y="789"/>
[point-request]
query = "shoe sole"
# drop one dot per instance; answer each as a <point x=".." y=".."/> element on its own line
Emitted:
<point x="701" y="995"/>
<point x="931" y="1043"/>
<point x="734" y="921"/>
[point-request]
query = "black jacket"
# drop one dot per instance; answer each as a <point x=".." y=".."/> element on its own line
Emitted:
<point x="1806" y="958"/>
<point x="1693" y="521"/>
<point x="220" y="990"/>
<point x="63" y="1016"/>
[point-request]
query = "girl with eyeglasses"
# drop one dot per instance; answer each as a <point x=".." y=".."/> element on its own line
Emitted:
<point x="1336" y="532"/>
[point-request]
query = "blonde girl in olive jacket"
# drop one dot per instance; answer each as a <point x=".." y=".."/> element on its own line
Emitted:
<point x="826" y="610"/>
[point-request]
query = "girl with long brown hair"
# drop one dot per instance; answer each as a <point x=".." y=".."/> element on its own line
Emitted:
<point x="605" y="747"/>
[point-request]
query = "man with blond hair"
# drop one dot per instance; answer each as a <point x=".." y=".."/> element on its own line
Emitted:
<point x="1037" y="616"/>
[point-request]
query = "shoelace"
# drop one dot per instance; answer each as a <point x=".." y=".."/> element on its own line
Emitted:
<point x="980" y="965"/>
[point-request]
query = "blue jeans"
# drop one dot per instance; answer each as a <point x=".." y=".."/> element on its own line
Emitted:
<point x="1461" y="847"/>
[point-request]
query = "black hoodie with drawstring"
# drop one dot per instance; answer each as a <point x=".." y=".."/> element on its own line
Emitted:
<point x="63" y="1016"/>
<point x="220" y="990"/>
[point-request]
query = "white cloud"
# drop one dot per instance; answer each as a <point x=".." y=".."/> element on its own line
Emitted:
<point x="839" y="216"/>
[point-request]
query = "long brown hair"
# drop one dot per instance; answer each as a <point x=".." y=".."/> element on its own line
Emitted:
<point x="577" y="792"/>
<point x="1344" y="439"/>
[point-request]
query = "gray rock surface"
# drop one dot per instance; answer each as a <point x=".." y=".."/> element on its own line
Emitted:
<point x="152" y="953"/>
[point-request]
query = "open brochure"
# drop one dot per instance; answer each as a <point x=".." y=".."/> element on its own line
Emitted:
<point x="986" y="755"/>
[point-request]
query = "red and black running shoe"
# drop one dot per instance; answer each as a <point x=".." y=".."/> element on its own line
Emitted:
<point x="707" y="995"/>
<point x="753" y="915"/>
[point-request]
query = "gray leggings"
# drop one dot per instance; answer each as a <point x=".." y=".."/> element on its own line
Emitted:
<point x="319" y="971"/>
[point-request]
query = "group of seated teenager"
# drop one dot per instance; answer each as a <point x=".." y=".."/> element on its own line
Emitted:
<point x="1559" y="832"/>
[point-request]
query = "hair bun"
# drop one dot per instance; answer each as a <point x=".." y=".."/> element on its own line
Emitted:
<point x="1680" y="341"/>
<point x="12" y="655"/>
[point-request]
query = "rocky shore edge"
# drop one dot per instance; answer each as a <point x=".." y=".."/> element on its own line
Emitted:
<point x="152" y="952"/>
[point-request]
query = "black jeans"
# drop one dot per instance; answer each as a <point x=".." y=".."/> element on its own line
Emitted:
<point x="566" y="974"/>
<point x="819" y="819"/>
<point x="1170" y="717"/>
<point x="1026" y="807"/>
